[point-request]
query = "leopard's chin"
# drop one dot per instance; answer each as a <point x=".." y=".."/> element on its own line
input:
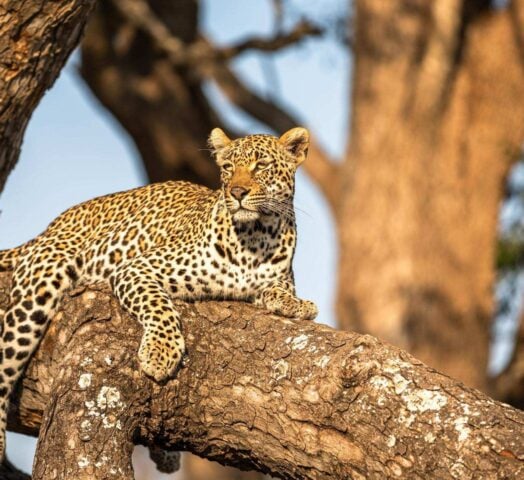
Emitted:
<point x="243" y="215"/>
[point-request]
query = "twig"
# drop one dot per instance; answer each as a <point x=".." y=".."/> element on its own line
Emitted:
<point x="302" y="30"/>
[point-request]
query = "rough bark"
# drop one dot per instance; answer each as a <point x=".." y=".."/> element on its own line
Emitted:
<point x="435" y="127"/>
<point x="294" y="399"/>
<point x="36" y="39"/>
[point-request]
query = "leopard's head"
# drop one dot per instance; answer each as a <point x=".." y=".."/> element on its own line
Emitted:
<point x="258" y="171"/>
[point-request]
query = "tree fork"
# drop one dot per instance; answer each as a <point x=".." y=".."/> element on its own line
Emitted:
<point x="291" y="398"/>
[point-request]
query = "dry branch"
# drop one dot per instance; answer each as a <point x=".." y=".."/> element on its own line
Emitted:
<point x="291" y="398"/>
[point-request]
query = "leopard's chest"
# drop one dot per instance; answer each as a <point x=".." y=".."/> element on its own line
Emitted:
<point x="232" y="271"/>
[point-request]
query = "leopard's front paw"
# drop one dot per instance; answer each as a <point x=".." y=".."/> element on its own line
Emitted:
<point x="292" y="308"/>
<point x="309" y="310"/>
<point x="158" y="361"/>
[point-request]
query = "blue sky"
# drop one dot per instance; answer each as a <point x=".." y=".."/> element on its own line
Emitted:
<point x="74" y="150"/>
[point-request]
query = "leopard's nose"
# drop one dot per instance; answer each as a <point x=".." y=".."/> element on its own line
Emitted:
<point x="239" y="192"/>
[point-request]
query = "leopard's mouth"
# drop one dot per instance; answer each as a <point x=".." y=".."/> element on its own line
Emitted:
<point x="242" y="214"/>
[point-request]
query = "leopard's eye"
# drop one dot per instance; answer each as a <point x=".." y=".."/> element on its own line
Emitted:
<point x="261" y="165"/>
<point x="227" y="167"/>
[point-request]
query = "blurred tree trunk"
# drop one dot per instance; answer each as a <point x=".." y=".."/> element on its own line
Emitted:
<point x="36" y="39"/>
<point x="438" y="118"/>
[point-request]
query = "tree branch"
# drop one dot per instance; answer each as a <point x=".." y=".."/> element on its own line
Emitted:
<point x="140" y="14"/>
<point x="37" y="38"/>
<point x="290" y="398"/>
<point x="281" y="40"/>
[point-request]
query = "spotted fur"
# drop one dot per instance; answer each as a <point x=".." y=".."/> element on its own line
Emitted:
<point x="164" y="241"/>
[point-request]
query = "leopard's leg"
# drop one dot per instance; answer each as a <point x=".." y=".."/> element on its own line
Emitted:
<point x="141" y="290"/>
<point x="280" y="298"/>
<point x="38" y="282"/>
<point x="166" y="461"/>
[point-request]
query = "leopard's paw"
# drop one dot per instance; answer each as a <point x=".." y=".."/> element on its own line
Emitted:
<point x="159" y="361"/>
<point x="309" y="310"/>
<point x="292" y="308"/>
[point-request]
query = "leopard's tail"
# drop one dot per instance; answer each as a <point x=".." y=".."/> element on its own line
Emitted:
<point x="8" y="258"/>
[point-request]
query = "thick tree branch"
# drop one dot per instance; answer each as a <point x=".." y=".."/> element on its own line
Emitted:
<point x="36" y="39"/>
<point x="291" y="398"/>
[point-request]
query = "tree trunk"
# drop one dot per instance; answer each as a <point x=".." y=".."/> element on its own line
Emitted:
<point x="294" y="399"/>
<point x="36" y="38"/>
<point x="438" y="118"/>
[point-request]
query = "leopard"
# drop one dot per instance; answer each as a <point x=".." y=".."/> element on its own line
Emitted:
<point x="163" y="242"/>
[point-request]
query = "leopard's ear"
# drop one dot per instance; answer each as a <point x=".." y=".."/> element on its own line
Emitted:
<point x="218" y="139"/>
<point x="296" y="142"/>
